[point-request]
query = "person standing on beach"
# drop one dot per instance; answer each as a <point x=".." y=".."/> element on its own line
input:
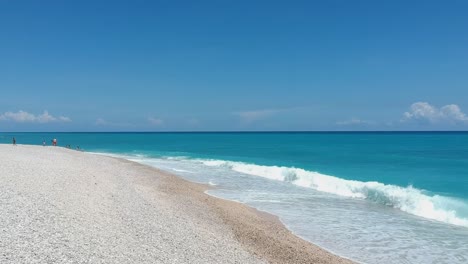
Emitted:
<point x="14" y="141"/>
<point x="43" y="143"/>
<point x="54" y="142"/>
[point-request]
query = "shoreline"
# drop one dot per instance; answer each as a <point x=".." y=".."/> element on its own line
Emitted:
<point x="264" y="224"/>
<point x="207" y="187"/>
<point x="272" y="217"/>
<point x="79" y="205"/>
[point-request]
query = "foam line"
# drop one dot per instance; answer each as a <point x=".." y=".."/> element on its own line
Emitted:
<point x="407" y="199"/>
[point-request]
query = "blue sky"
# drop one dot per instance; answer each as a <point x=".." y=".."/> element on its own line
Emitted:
<point x="233" y="65"/>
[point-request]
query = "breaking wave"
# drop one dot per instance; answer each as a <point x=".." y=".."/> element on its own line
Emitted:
<point x="407" y="199"/>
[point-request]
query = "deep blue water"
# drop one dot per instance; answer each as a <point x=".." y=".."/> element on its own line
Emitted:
<point x="411" y="186"/>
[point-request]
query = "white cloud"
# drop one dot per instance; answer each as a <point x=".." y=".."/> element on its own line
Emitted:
<point x="25" y="117"/>
<point x="155" y="121"/>
<point x="20" y="116"/>
<point x="422" y="111"/>
<point x="453" y="112"/>
<point x="354" y="121"/>
<point x="64" y="119"/>
<point x="45" y="118"/>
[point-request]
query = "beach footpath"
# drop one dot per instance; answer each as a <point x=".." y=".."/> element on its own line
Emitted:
<point x="64" y="206"/>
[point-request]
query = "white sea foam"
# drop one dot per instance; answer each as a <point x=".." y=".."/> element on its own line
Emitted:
<point x="181" y="170"/>
<point x="212" y="183"/>
<point x="176" y="158"/>
<point x="407" y="199"/>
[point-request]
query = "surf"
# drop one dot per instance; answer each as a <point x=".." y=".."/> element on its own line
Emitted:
<point x="408" y="199"/>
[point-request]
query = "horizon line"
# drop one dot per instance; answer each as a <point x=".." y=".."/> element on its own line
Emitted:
<point x="249" y="131"/>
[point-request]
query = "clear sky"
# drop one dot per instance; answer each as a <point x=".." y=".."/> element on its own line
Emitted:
<point x="233" y="65"/>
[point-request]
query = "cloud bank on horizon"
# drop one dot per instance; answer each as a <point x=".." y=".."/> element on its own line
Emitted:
<point x="257" y="115"/>
<point x="423" y="111"/>
<point x="25" y="117"/>
<point x="420" y="115"/>
<point x="354" y="121"/>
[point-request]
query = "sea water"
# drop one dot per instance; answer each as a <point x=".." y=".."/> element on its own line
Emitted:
<point x="374" y="197"/>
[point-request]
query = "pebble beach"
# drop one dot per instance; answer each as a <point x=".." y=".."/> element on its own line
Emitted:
<point x="64" y="206"/>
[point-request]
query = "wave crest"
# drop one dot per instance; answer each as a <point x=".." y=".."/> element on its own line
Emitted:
<point x="407" y="199"/>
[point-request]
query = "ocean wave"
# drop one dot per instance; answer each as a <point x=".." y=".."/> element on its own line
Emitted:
<point x="407" y="199"/>
<point x="181" y="170"/>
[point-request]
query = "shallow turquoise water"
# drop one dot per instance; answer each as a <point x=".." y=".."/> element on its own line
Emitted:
<point x="436" y="162"/>
<point x="404" y="192"/>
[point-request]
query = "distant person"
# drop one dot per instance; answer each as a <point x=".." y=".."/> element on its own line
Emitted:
<point x="14" y="141"/>
<point x="54" y="142"/>
<point x="43" y="143"/>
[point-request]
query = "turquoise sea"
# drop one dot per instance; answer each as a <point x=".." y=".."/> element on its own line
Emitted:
<point x="374" y="197"/>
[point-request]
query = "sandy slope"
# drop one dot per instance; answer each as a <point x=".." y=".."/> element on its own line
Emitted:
<point x="63" y="206"/>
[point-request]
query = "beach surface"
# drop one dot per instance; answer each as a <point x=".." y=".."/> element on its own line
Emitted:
<point x="63" y="206"/>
